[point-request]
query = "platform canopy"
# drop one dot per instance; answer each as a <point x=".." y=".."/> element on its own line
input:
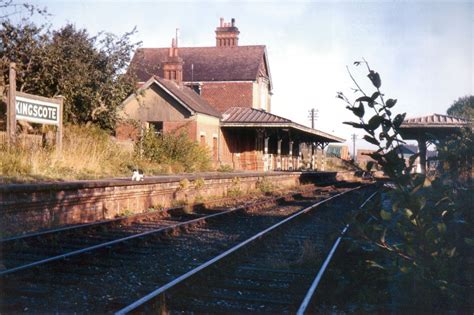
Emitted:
<point x="244" y="117"/>
<point x="429" y="129"/>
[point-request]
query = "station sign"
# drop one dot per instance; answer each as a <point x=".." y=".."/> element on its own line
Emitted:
<point x="37" y="111"/>
<point x="32" y="108"/>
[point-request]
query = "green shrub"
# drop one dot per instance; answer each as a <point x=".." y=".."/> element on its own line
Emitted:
<point x="265" y="186"/>
<point x="173" y="149"/>
<point x="225" y="168"/>
<point x="199" y="183"/>
<point x="234" y="190"/>
<point x="184" y="184"/>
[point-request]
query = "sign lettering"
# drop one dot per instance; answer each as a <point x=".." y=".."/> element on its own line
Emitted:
<point x="37" y="111"/>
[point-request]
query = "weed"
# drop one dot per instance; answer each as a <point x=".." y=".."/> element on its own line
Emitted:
<point x="179" y="203"/>
<point x="265" y="186"/>
<point x="183" y="184"/>
<point x="199" y="183"/>
<point x="234" y="190"/>
<point x="225" y="168"/>
<point x="126" y="213"/>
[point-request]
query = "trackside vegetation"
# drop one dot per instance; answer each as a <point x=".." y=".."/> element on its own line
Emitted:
<point x="90" y="152"/>
<point x="419" y="232"/>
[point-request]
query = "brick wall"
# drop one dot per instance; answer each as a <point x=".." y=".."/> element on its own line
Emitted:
<point x="127" y="131"/>
<point x="179" y="126"/>
<point x="225" y="95"/>
<point x="32" y="207"/>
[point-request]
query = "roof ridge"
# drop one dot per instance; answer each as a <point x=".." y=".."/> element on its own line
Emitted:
<point x="196" y="47"/>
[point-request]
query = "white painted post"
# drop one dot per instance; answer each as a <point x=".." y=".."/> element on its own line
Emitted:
<point x="266" y="164"/>
<point x="290" y="157"/>
<point x="11" y="110"/>
<point x="279" y="164"/>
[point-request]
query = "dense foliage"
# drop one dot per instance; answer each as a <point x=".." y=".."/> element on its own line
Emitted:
<point x="89" y="71"/>
<point x="463" y="107"/>
<point x="173" y="149"/>
<point x="422" y="226"/>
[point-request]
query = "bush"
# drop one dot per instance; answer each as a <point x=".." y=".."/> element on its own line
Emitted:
<point x="265" y="186"/>
<point x="173" y="149"/>
<point x="225" y="168"/>
<point x="423" y="228"/>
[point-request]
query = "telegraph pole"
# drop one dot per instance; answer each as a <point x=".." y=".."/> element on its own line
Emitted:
<point x="354" y="138"/>
<point x="313" y="116"/>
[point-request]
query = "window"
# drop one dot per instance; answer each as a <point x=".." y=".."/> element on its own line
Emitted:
<point x="157" y="126"/>
<point x="202" y="140"/>
<point x="214" y="148"/>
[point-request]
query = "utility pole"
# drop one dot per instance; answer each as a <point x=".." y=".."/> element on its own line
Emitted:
<point x="354" y="138"/>
<point x="313" y="116"/>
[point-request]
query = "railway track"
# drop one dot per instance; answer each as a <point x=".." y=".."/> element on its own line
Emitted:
<point x="30" y="250"/>
<point x="106" y="276"/>
<point x="267" y="273"/>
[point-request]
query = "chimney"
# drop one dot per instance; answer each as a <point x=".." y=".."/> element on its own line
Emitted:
<point x="173" y="65"/>
<point x="227" y="34"/>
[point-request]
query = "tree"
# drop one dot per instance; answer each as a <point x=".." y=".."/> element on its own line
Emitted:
<point x="422" y="228"/>
<point x="89" y="71"/>
<point x="463" y="107"/>
<point x="10" y="8"/>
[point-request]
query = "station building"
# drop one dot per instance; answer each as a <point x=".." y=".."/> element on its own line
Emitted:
<point x="220" y="96"/>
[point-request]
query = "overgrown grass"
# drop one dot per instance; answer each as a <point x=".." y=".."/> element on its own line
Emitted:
<point x="88" y="153"/>
<point x="91" y="153"/>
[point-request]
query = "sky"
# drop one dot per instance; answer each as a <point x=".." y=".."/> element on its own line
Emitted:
<point x="423" y="50"/>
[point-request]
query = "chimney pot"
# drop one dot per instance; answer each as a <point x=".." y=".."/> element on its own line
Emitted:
<point x="227" y="35"/>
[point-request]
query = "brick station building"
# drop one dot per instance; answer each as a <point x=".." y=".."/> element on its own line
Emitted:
<point x="221" y="96"/>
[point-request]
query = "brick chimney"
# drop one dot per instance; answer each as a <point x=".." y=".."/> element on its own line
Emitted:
<point x="227" y="34"/>
<point x="173" y="66"/>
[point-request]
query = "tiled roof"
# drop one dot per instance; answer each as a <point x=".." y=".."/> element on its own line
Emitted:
<point x="251" y="115"/>
<point x="435" y="120"/>
<point x="185" y="95"/>
<point x="239" y="63"/>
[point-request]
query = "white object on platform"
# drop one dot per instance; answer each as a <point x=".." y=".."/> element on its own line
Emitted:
<point x="137" y="176"/>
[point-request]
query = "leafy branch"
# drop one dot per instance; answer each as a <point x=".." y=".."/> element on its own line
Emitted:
<point x="422" y="228"/>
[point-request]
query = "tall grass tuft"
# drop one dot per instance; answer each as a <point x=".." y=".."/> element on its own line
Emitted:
<point x="88" y="153"/>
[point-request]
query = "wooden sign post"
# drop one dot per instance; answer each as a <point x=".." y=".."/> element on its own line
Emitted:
<point x="11" y="112"/>
<point x="33" y="108"/>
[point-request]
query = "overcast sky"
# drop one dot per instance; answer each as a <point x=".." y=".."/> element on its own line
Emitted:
<point x="423" y="50"/>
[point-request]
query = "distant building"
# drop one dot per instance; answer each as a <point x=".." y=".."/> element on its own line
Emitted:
<point x="340" y="151"/>
<point x="220" y="96"/>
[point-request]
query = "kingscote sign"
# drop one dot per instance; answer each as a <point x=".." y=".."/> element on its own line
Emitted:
<point x="37" y="111"/>
<point x="32" y="108"/>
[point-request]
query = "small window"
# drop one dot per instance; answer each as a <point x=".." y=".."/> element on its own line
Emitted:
<point x="157" y="126"/>
<point x="203" y="139"/>
<point x="214" y="148"/>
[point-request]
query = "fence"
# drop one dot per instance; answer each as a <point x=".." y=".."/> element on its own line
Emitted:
<point x="25" y="140"/>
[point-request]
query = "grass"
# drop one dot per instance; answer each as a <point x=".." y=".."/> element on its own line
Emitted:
<point x="88" y="153"/>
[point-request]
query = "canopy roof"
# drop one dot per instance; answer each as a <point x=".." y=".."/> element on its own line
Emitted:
<point x="245" y="117"/>
<point x="431" y="126"/>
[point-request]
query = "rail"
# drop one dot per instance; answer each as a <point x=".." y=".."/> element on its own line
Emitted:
<point x="155" y="293"/>
<point x="120" y="240"/>
<point x="309" y="295"/>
